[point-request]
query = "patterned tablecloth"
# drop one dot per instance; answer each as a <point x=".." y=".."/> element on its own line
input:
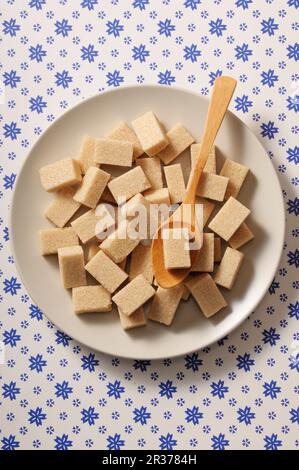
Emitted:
<point x="239" y="393"/>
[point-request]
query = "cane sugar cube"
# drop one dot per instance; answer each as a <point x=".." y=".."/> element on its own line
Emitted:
<point x="135" y="320"/>
<point x="88" y="299"/>
<point x="175" y="182"/>
<point x="129" y="184"/>
<point x="51" y="239"/>
<point x="152" y="170"/>
<point x="179" y="139"/>
<point x="150" y="133"/>
<point x="141" y="263"/>
<point x="228" y="268"/>
<point x="236" y="174"/>
<point x="85" y="226"/>
<point x="113" y="152"/>
<point x="207" y="209"/>
<point x="86" y="155"/>
<point x="241" y="236"/>
<point x="176" y="248"/>
<point x="165" y="304"/>
<point x="123" y="264"/>
<point x="157" y="196"/>
<point x="217" y="250"/>
<point x="125" y="134"/>
<point x="210" y="166"/>
<point x="120" y="243"/>
<point x="186" y="294"/>
<point x="106" y="272"/>
<point x="92" y="250"/>
<point x="71" y="264"/>
<point x="205" y="258"/>
<point x="135" y="205"/>
<point x="212" y="186"/>
<point x="60" y="174"/>
<point x="229" y="218"/>
<point x="206" y="294"/>
<point x="63" y="207"/>
<point x="133" y="295"/>
<point x="92" y="187"/>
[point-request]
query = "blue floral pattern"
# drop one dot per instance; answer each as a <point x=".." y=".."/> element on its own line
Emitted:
<point x="239" y="393"/>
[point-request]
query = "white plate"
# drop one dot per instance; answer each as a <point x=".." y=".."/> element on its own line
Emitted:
<point x="190" y="330"/>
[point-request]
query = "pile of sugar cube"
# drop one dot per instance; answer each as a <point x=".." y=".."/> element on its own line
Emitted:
<point x="118" y="268"/>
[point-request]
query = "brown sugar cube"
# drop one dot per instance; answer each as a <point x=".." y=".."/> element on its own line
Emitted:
<point x="113" y="152"/>
<point x="241" y="236"/>
<point x="157" y="196"/>
<point x="106" y="272"/>
<point x="141" y="263"/>
<point x="133" y="295"/>
<point x="88" y="299"/>
<point x="150" y="133"/>
<point x="175" y="182"/>
<point x="165" y="304"/>
<point x="229" y="218"/>
<point x="152" y="170"/>
<point x="85" y="226"/>
<point x="92" y="187"/>
<point x="207" y="209"/>
<point x="129" y="184"/>
<point x="212" y="186"/>
<point x="60" y="174"/>
<point x="176" y="248"/>
<point x="86" y="155"/>
<point x="139" y="208"/>
<point x="217" y="249"/>
<point x="210" y="166"/>
<point x="63" y="207"/>
<point x="133" y="321"/>
<point x="123" y="264"/>
<point x="92" y="250"/>
<point x="124" y="133"/>
<point x="119" y="244"/>
<point x="186" y="294"/>
<point x="51" y="239"/>
<point x="71" y="264"/>
<point x="205" y="259"/>
<point x="206" y="294"/>
<point x="229" y="268"/>
<point x="236" y="174"/>
<point x="179" y="139"/>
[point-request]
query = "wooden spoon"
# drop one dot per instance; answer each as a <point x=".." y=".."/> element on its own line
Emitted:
<point x="221" y="95"/>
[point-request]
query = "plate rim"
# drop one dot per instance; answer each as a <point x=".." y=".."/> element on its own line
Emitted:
<point x="111" y="91"/>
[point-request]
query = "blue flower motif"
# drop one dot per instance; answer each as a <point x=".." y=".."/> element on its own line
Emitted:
<point x="11" y="286"/>
<point x="11" y="337"/>
<point x="11" y="78"/>
<point x="274" y="285"/>
<point x="89" y="415"/>
<point x="193" y="4"/>
<point x="63" y="79"/>
<point x="115" y="389"/>
<point x="193" y="415"/>
<point x="165" y="78"/>
<point x="63" y="27"/>
<point x="114" y="78"/>
<point x="193" y="362"/>
<point x="63" y="442"/>
<point x="10" y="443"/>
<point x="10" y="390"/>
<point x="63" y="390"/>
<point x="293" y="258"/>
<point x="89" y="362"/>
<point x="219" y="389"/>
<point x="167" y="442"/>
<point x="37" y="363"/>
<point x="36" y="416"/>
<point x="269" y="78"/>
<point x="9" y="181"/>
<point x="243" y="52"/>
<point x="245" y="415"/>
<point x="141" y="415"/>
<point x="11" y="130"/>
<point x="89" y="53"/>
<point x="293" y="155"/>
<point x="191" y="53"/>
<point x="272" y="442"/>
<point x="269" y="130"/>
<point x="270" y="336"/>
<point x="37" y="104"/>
<point x="140" y="53"/>
<point x="245" y="362"/>
<point x="217" y="27"/>
<point x="243" y="3"/>
<point x="293" y="51"/>
<point x="294" y="362"/>
<point x="89" y="4"/>
<point x="293" y="103"/>
<point x="37" y="4"/>
<point x="214" y="75"/>
<point x="271" y="389"/>
<point x="219" y="442"/>
<point x="268" y="26"/>
<point x="114" y="28"/>
<point x="35" y="312"/>
<point x="294" y="412"/>
<point x="141" y="365"/>
<point x="115" y="442"/>
<point x="166" y="28"/>
<point x="167" y="389"/>
<point x="243" y="103"/>
<point x="37" y="53"/>
<point x="294" y="310"/>
<point x="141" y="4"/>
<point x="10" y="27"/>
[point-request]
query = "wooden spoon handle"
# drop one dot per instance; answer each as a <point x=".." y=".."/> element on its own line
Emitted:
<point x="222" y="93"/>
